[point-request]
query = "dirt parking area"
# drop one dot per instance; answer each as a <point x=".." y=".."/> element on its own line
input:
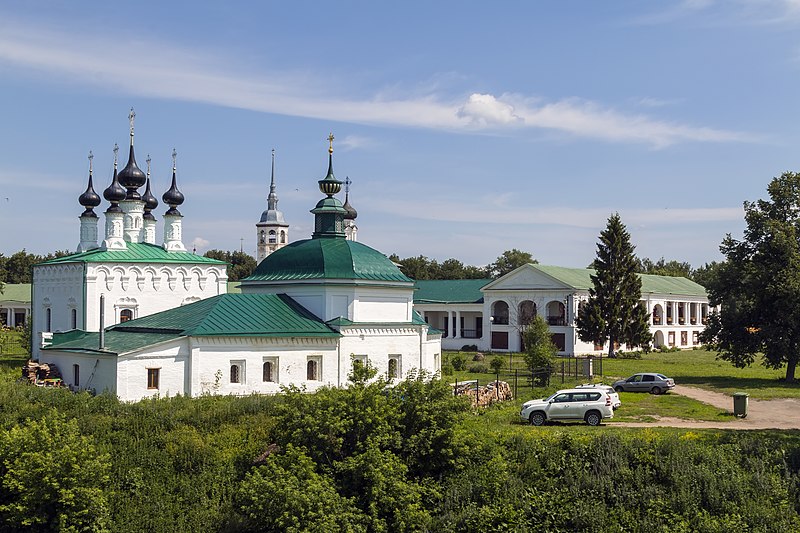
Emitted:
<point x="761" y="414"/>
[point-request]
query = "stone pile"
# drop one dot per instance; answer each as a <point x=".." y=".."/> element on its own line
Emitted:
<point x="494" y="391"/>
<point x="35" y="371"/>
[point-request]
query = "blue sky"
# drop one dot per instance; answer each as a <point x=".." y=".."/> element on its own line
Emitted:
<point x="467" y="128"/>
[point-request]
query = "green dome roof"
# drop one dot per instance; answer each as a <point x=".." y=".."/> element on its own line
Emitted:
<point x="327" y="259"/>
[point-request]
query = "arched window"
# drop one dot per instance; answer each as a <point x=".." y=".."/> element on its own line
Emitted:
<point x="273" y="238"/>
<point x="268" y="375"/>
<point x="312" y="371"/>
<point x="527" y="312"/>
<point x="235" y="374"/>
<point x="283" y="237"/>
<point x="125" y="315"/>
<point x="74" y="319"/>
<point x="49" y="319"/>
<point x="262" y="237"/>
<point x="500" y="312"/>
<point x="393" y="373"/>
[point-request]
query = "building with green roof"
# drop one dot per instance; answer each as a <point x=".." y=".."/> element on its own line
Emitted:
<point x="15" y="304"/>
<point x="310" y="310"/>
<point x="493" y="313"/>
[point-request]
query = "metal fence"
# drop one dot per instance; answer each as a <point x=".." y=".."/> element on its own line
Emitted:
<point x="524" y="381"/>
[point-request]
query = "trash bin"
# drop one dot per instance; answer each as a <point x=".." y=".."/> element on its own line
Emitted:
<point x="740" y="404"/>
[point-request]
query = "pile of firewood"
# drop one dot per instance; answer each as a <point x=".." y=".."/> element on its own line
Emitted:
<point x="494" y="391"/>
<point x="35" y="371"/>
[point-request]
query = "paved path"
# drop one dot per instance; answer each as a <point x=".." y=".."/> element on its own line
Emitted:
<point x="761" y="414"/>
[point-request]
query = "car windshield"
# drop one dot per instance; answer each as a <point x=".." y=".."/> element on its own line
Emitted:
<point x="662" y="376"/>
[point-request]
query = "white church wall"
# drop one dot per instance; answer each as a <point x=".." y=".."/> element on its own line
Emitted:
<point x="170" y="359"/>
<point x="58" y="288"/>
<point x="95" y="371"/>
<point x="214" y="358"/>
<point x="379" y="345"/>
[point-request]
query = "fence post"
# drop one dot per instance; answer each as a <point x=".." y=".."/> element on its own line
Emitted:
<point x="496" y="384"/>
<point x="562" y="371"/>
<point x="515" y="384"/>
<point x="455" y="388"/>
<point x="476" y="393"/>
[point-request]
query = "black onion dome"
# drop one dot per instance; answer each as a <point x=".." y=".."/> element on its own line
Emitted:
<point x="115" y="193"/>
<point x="173" y="197"/>
<point x="132" y="177"/>
<point x="351" y="211"/>
<point x="89" y="199"/>
<point x="150" y="202"/>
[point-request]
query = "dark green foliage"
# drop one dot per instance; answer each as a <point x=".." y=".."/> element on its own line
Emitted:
<point x="458" y="361"/>
<point x="706" y="274"/>
<point x="287" y="494"/>
<point x="240" y="264"/>
<point x="18" y="268"/>
<point x="497" y="364"/>
<point x="52" y="478"/>
<point x="663" y="267"/>
<point x="421" y="267"/>
<point x="508" y="261"/>
<point x="614" y="312"/>
<point x="758" y="286"/>
<point x="478" y="368"/>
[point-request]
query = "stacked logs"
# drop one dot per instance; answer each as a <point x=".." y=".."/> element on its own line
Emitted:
<point x="38" y="372"/>
<point x="494" y="391"/>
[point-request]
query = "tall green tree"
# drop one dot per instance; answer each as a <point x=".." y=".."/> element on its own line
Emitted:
<point x="758" y="286"/>
<point x="240" y="264"/>
<point x="539" y="347"/>
<point x="614" y="312"/>
<point x="508" y="261"/>
<point x="706" y="274"/>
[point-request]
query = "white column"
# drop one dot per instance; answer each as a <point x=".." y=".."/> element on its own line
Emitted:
<point x="11" y="317"/>
<point x="457" y="334"/>
<point x="114" y="231"/>
<point x="172" y="233"/>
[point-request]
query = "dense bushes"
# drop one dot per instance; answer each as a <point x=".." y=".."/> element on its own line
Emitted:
<point x="371" y="458"/>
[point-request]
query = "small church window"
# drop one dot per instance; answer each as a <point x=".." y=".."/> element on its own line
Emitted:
<point x="312" y="371"/>
<point x="272" y="237"/>
<point x="283" y="237"/>
<point x="152" y="378"/>
<point x="125" y="315"/>
<point x="49" y="318"/>
<point x="262" y="237"/>
<point x="74" y="319"/>
<point x="394" y="367"/>
<point x="235" y="374"/>
<point x="76" y="375"/>
<point x="268" y="373"/>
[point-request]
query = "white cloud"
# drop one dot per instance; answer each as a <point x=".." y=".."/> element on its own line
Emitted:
<point x="486" y="110"/>
<point x="160" y="70"/>
<point x="200" y="243"/>
<point x="354" y="142"/>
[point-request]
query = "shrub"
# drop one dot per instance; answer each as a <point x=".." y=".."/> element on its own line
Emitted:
<point x="479" y="368"/>
<point x="458" y="361"/>
<point x="629" y="355"/>
<point x="497" y="364"/>
<point x="447" y="369"/>
<point x="469" y="348"/>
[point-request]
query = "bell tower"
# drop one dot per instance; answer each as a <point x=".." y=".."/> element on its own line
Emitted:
<point x="272" y="231"/>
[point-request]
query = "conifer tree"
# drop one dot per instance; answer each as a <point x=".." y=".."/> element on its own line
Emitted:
<point x="614" y="311"/>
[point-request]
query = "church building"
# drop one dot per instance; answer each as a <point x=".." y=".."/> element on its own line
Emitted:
<point x="312" y="309"/>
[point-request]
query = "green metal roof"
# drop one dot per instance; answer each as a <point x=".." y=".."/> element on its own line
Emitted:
<point x="579" y="278"/>
<point x="136" y="252"/>
<point x="16" y="292"/>
<point x="244" y="315"/>
<point x="327" y="258"/>
<point x="461" y="291"/>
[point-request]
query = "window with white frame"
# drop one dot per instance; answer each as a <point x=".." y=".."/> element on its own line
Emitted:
<point x="237" y="372"/>
<point x="269" y="370"/>
<point x="360" y="361"/>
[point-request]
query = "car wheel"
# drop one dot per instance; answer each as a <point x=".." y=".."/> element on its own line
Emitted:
<point x="655" y="390"/>
<point x="593" y="418"/>
<point x="619" y="388"/>
<point x="537" y="419"/>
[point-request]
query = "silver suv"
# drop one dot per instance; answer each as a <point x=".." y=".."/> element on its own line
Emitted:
<point x="591" y="406"/>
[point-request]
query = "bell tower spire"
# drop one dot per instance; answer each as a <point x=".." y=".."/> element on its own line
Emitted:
<point x="272" y="231"/>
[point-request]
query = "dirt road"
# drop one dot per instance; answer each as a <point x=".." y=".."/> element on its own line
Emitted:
<point x="762" y="414"/>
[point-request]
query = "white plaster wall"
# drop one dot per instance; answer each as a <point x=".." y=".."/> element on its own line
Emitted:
<point x="410" y="343"/>
<point x="172" y="360"/>
<point x="59" y="287"/>
<point x="96" y="371"/>
<point x="147" y="288"/>
<point x="212" y="355"/>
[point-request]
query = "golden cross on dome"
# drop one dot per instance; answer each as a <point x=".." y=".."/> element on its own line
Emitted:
<point x="91" y="156"/>
<point x="174" y="158"/>
<point x="116" y="152"/>
<point x="330" y="140"/>
<point x="131" y="117"/>
<point x="148" y="164"/>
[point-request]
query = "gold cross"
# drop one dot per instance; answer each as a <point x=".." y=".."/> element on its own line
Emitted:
<point x="91" y="156"/>
<point x="330" y="140"/>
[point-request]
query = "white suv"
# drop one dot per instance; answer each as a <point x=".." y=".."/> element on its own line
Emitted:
<point x="592" y="406"/>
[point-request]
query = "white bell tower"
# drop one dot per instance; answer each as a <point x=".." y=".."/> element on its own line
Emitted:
<point x="272" y="231"/>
